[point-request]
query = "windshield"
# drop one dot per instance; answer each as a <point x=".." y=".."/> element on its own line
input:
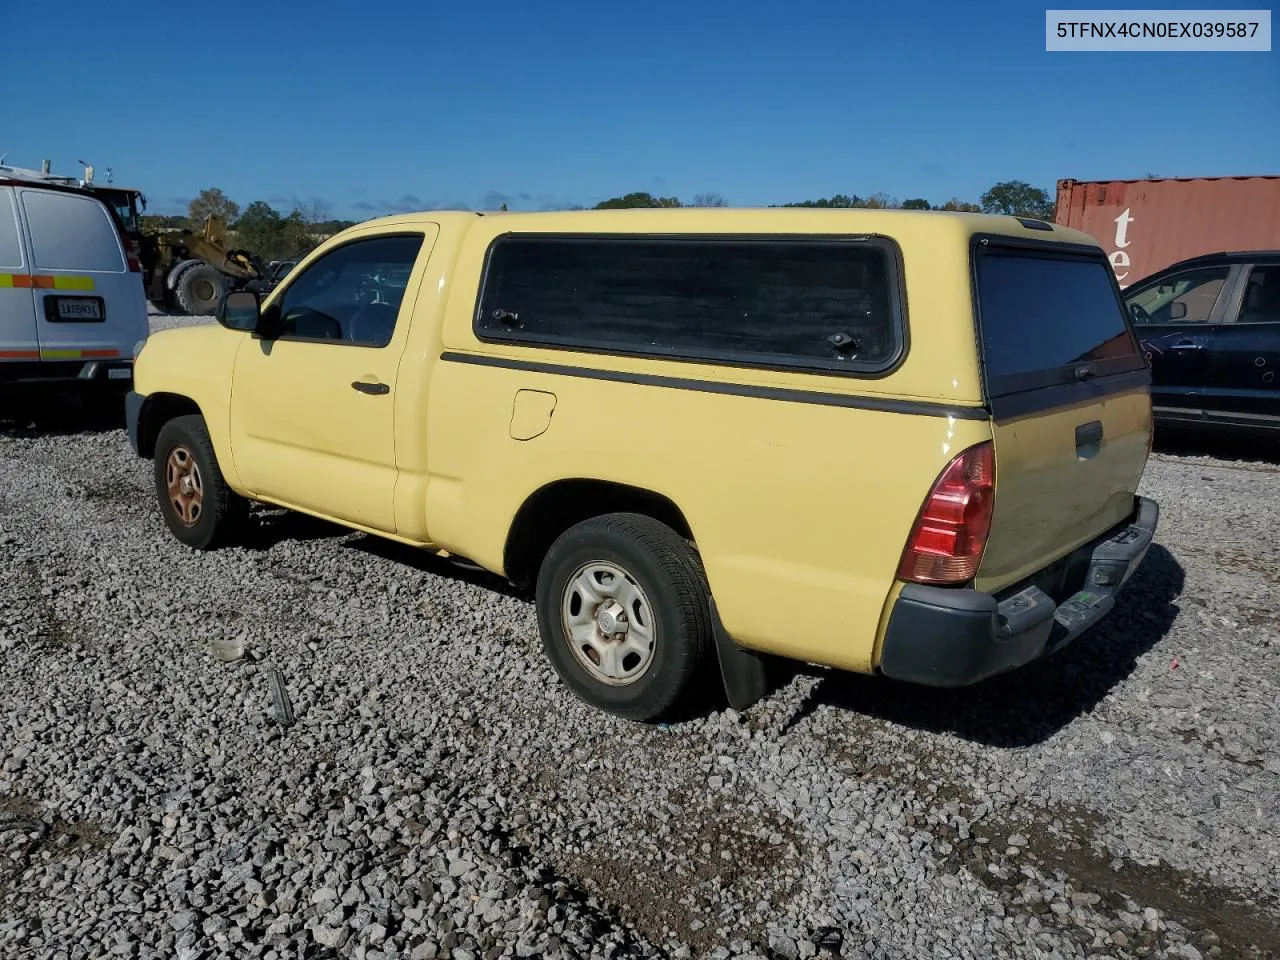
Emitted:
<point x="128" y="216"/>
<point x="1196" y="290"/>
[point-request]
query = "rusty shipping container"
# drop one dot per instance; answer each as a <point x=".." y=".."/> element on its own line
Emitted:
<point x="1146" y="225"/>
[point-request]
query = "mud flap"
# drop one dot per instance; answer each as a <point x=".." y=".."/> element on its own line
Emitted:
<point x="745" y="673"/>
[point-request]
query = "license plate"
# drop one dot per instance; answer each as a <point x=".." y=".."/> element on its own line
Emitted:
<point x="118" y="373"/>
<point x="76" y="308"/>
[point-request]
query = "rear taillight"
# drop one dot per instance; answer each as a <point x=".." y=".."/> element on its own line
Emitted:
<point x="950" y="534"/>
<point x="133" y="255"/>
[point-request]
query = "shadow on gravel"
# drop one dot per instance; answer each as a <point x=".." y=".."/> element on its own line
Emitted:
<point x="271" y="526"/>
<point x="60" y="415"/>
<point x="455" y="568"/>
<point x="1028" y="705"/>
<point x="463" y="571"/>
<point x="1219" y="445"/>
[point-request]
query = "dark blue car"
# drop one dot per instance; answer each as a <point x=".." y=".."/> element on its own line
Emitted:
<point x="1210" y="327"/>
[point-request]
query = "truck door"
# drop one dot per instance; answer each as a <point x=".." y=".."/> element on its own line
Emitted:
<point x="17" y="301"/>
<point x="313" y="409"/>
<point x="1175" y="319"/>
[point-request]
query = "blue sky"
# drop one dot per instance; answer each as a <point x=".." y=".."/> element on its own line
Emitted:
<point x="374" y="107"/>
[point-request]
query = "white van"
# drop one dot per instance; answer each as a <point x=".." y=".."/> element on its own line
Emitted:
<point x="72" y="307"/>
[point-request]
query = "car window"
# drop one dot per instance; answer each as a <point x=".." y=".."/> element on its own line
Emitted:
<point x="829" y="304"/>
<point x="1261" y="296"/>
<point x="1183" y="298"/>
<point x="10" y="242"/>
<point x="351" y="294"/>
<point x="124" y="205"/>
<point x="71" y="232"/>
<point x="127" y="214"/>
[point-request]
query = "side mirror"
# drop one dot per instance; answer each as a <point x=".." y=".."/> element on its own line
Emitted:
<point x="239" y="310"/>
<point x="1177" y="310"/>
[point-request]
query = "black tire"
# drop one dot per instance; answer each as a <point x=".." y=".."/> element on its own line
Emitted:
<point x="199" y="288"/>
<point x="183" y="444"/>
<point x="673" y="588"/>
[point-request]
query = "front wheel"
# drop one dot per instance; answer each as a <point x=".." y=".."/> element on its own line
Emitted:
<point x="623" y="610"/>
<point x="195" y="501"/>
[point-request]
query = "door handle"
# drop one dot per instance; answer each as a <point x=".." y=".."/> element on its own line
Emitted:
<point x="1187" y="345"/>
<point x="366" y="387"/>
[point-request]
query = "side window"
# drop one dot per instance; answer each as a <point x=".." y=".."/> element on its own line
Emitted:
<point x="10" y="240"/>
<point x="1261" y="296"/>
<point x="71" y="232"/>
<point x="825" y="304"/>
<point x="1183" y="298"/>
<point x="351" y="294"/>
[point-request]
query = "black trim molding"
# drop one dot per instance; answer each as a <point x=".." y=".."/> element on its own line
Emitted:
<point x="919" y="408"/>
<point x="1010" y="406"/>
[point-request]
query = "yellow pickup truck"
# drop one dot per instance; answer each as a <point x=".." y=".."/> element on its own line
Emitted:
<point x="897" y="442"/>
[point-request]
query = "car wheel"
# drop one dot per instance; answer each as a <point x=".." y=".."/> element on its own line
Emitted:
<point x="198" y="506"/>
<point x="623" y="611"/>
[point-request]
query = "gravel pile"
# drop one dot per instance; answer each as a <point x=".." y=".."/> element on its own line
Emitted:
<point x="429" y="790"/>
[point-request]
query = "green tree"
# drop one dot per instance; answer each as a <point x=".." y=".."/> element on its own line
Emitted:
<point x="839" y="200"/>
<point x="259" y="229"/>
<point x="961" y="206"/>
<point x="708" y="200"/>
<point x="878" y="201"/>
<point x="315" y="214"/>
<point x="330" y="227"/>
<point x="915" y="203"/>
<point x="266" y="233"/>
<point x="637" y="200"/>
<point x="1019" y="199"/>
<point x="156" y="223"/>
<point x="296" y="235"/>
<point x="212" y="202"/>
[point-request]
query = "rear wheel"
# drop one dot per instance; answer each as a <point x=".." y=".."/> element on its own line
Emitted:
<point x="195" y="501"/>
<point x="623" y="610"/>
<point x="199" y="289"/>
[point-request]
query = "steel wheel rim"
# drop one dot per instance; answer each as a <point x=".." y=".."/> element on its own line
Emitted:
<point x="185" y="485"/>
<point x="202" y="288"/>
<point x="608" y="623"/>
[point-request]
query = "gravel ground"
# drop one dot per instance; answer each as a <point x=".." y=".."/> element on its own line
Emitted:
<point x="439" y="794"/>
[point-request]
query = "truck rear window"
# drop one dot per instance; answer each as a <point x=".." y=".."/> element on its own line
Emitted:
<point x="1049" y="319"/>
